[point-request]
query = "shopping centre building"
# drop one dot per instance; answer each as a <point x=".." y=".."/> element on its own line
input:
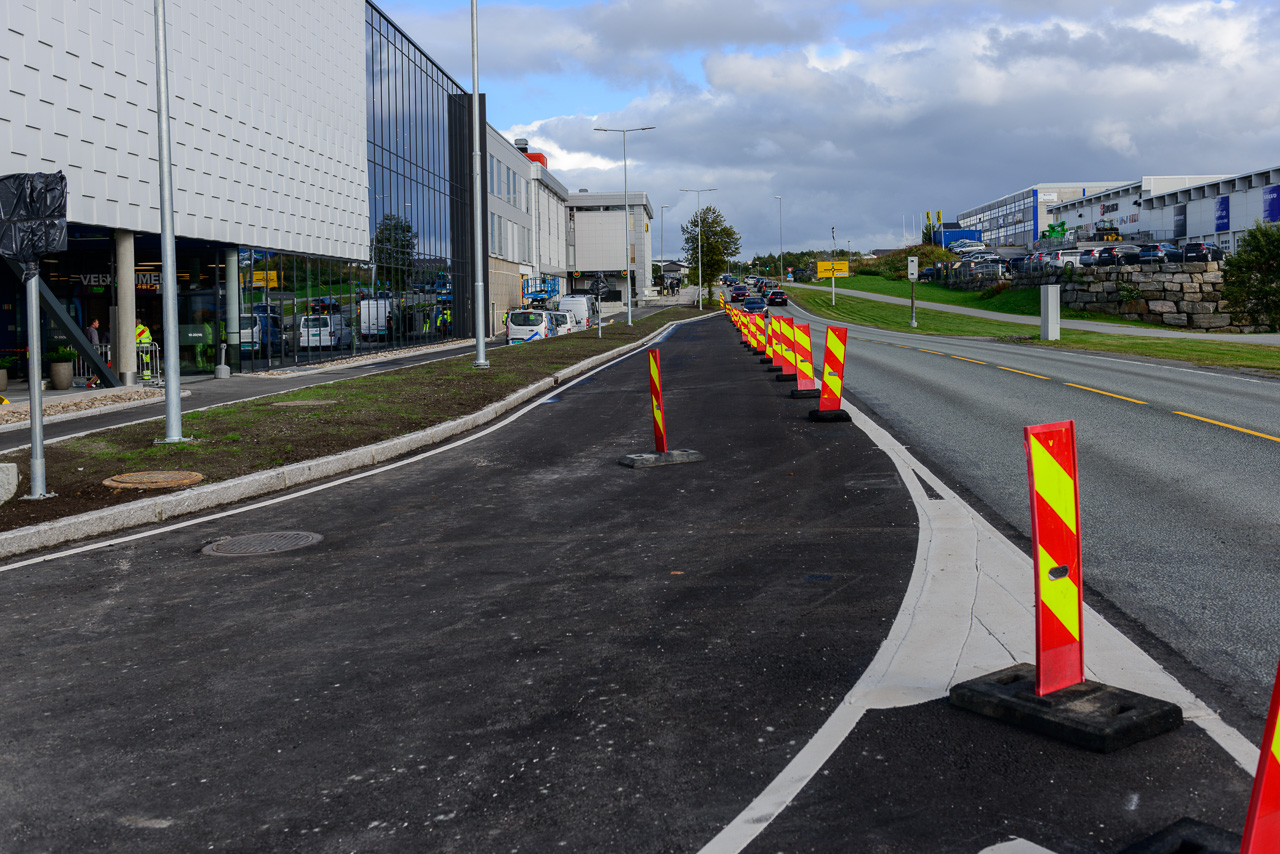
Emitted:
<point x="322" y="165"/>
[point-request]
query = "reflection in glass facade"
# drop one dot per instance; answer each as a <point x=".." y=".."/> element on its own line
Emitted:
<point x="416" y="286"/>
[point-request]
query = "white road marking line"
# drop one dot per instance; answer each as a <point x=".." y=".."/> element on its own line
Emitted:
<point x="967" y="611"/>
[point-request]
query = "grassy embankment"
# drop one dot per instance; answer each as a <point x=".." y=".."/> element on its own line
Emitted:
<point x="255" y="435"/>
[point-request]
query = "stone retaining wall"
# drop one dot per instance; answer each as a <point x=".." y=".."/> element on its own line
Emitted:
<point x="1186" y="295"/>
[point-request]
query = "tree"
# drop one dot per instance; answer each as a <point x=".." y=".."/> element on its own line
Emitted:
<point x="394" y="243"/>
<point x="1251" y="277"/>
<point x="720" y="242"/>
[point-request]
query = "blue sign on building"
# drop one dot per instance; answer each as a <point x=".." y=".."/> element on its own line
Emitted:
<point x="1271" y="204"/>
<point x="1222" y="218"/>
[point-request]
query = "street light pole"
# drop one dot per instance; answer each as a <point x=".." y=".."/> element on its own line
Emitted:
<point x="477" y="198"/>
<point x="699" y="203"/>
<point x="662" y="243"/>
<point x="780" y="279"/>
<point x="168" y="253"/>
<point x="626" y="212"/>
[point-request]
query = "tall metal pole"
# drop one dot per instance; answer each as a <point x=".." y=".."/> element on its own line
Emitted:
<point x="699" y="203"/>
<point x="168" y="254"/>
<point x="780" y="279"/>
<point x="31" y="272"/>
<point x="477" y="191"/>
<point x="626" y="212"/>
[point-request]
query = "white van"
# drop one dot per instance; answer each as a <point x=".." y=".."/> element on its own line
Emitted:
<point x="375" y="318"/>
<point x="564" y="322"/>
<point x="322" y="331"/>
<point x="528" y="325"/>
<point x="583" y="309"/>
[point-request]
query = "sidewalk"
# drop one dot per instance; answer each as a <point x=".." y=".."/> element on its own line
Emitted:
<point x="1271" y="339"/>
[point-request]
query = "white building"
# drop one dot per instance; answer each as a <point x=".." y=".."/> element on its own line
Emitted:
<point x="596" y="239"/>
<point x="510" y="221"/>
<point x="550" y="215"/>
<point x="1123" y="207"/>
<point x="1217" y="211"/>
<point x="1018" y="218"/>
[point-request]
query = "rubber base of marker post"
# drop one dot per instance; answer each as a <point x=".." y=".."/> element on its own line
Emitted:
<point x="774" y="369"/>
<point x="1187" y="834"/>
<point x="755" y="352"/>
<point x="670" y="458"/>
<point x="766" y="359"/>
<point x="1091" y="715"/>
<point x="829" y="416"/>
<point x="785" y="378"/>
<point x="799" y="393"/>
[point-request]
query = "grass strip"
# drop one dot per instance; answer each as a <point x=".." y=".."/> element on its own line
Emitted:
<point x="1222" y="354"/>
<point x="1025" y="301"/>
<point x="255" y="435"/>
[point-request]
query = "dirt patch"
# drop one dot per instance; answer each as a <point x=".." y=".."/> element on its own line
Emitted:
<point x="256" y="435"/>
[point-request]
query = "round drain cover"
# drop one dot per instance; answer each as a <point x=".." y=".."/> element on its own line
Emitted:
<point x="261" y="544"/>
<point x="153" y="479"/>
<point x="304" y="403"/>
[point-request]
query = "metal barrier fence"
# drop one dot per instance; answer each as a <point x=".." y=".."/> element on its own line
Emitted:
<point x="149" y="363"/>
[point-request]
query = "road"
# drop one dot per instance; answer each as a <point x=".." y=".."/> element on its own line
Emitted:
<point x="1179" y="516"/>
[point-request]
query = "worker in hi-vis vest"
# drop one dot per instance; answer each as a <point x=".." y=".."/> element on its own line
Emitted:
<point x="142" y="339"/>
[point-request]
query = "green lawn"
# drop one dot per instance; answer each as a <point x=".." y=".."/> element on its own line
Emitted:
<point x="1259" y="357"/>
<point x="1023" y="302"/>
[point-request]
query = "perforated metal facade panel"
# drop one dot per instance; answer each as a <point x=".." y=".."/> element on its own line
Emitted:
<point x="268" y="104"/>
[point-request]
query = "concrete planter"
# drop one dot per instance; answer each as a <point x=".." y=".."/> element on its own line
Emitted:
<point x="60" y="374"/>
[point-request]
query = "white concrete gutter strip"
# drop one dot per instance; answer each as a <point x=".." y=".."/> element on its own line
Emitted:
<point x="967" y="611"/>
<point x="161" y="507"/>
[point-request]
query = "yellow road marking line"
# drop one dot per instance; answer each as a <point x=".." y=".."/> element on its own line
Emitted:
<point x="1024" y="373"/>
<point x="1107" y="393"/>
<point x="963" y="359"/>
<point x="1229" y="426"/>
<point x="904" y="346"/>
<point x="934" y="352"/>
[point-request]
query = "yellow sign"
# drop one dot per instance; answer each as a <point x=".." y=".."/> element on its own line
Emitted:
<point x="827" y="269"/>
<point x="268" y="278"/>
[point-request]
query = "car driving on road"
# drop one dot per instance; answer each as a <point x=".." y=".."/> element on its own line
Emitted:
<point x="754" y="305"/>
<point x="776" y="298"/>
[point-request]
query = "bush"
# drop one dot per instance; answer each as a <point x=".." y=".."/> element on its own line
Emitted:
<point x="1251" y="277"/>
<point x="63" y="354"/>
<point x="995" y="290"/>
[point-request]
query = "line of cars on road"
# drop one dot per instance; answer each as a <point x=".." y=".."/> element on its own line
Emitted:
<point x="767" y="294"/>
<point x="574" y="313"/>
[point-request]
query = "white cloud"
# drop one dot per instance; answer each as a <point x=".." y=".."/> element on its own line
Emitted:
<point x="947" y="105"/>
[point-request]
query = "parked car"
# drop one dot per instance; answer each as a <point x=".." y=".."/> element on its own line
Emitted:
<point x="1159" y="253"/>
<point x="564" y="322"/>
<point x="1202" y="252"/>
<point x="1058" y="259"/>
<point x="324" y="305"/>
<point x="262" y="335"/>
<point x="926" y="274"/>
<point x="987" y="268"/>
<point x="1089" y="257"/>
<point x="776" y="298"/>
<point x="1120" y="254"/>
<point x="739" y="293"/>
<point x="324" y="331"/>
<point x="754" y="305"/>
<point x="1019" y="263"/>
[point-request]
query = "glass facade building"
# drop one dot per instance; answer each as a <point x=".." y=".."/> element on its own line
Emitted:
<point x="414" y="286"/>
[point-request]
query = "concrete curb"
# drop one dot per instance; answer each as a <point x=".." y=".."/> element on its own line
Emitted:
<point x="71" y="416"/>
<point x="159" y="508"/>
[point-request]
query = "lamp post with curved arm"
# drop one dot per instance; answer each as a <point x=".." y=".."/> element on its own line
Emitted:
<point x="626" y="212"/>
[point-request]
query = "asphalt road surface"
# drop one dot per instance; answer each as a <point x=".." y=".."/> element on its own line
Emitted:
<point x="513" y="643"/>
<point x="1179" y="513"/>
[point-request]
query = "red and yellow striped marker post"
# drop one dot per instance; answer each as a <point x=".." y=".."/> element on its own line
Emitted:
<point x="832" y="378"/>
<point x="779" y="355"/>
<point x="768" y="340"/>
<point x="788" y="349"/>
<point x="741" y="321"/>
<point x="1262" y="823"/>
<point x="1055" y="537"/>
<point x="655" y="391"/>
<point x="804" y="359"/>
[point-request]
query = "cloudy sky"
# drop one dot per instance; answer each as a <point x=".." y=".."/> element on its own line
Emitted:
<point x="860" y="113"/>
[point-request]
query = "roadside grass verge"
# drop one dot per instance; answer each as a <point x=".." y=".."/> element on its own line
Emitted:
<point x="255" y="435"/>
<point x="1221" y="354"/>
<point x="1024" y="302"/>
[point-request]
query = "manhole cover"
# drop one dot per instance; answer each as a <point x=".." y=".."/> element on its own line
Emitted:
<point x="262" y="544"/>
<point x="153" y="479"/>
<point x="304" y="403"/>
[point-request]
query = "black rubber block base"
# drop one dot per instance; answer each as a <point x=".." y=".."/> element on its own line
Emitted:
<point x="829" y="416"/>
<point x="670" y="458"/>
<point x="785" y="378"/>
<point x="774" y="369"/>
<point x="799" y="393"/>
<point x="1188" y="835"/>
<point x="766" y="359"/>
<point x="757" y="352"/>
<point x="1091" y="715"/>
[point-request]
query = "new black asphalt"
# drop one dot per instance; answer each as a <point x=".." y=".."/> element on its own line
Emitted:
<point x="515" y="645"/>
